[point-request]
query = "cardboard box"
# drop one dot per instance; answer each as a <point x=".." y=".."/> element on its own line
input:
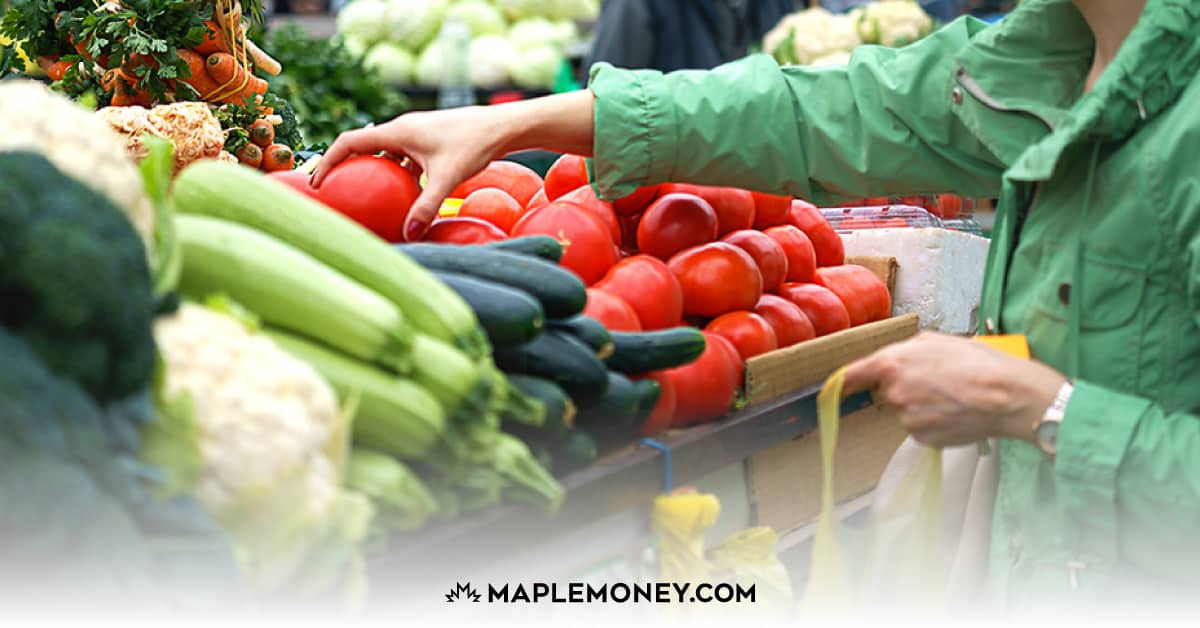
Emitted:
<point x="784" y="482"/>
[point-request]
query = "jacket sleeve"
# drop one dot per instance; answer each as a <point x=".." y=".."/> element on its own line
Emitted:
<point x="1129" y="474"/>
<point x="881" y="125"/>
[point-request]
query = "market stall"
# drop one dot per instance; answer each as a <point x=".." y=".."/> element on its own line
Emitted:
<point x="507" y="400"/>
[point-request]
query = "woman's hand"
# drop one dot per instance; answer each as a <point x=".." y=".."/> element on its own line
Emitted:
<point x="452" y="145"/>
<point x="954" y="391"/>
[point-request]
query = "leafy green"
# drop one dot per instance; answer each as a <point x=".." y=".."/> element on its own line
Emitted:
<point x="328" y="87"/>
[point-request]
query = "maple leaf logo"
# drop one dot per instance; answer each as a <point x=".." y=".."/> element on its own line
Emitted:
<point x="463" y="592"/>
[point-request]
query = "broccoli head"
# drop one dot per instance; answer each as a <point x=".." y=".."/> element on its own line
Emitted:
<point x="74" y="281"/>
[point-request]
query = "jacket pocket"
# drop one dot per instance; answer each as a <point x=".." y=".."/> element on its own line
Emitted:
<point x="1112" y="292"/>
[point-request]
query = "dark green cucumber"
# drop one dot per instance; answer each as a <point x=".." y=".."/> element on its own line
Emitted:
<point x="616" y="410"/>
<point x="562" y="359"/>
<point x="509" y="316"/>
<point x="541" y="246"/>
<point x="648" y="392"/>
<point x="576" y="451"/>
<point x="561" y="293"/>
<point x="560" y="410"/>
<point x="642" y="352"/>
<point x="589" y="331"/>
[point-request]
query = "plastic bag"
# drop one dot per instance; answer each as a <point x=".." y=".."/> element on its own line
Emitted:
<point x="896" y="562"/>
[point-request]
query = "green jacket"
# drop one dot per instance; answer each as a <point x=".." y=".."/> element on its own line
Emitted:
<point x="1096" y="251"/>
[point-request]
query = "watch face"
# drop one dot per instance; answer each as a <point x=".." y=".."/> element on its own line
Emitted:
<point x="1047" y="436"/>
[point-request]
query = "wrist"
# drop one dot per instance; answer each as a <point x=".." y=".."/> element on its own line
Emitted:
<point x="1031" y="401"/>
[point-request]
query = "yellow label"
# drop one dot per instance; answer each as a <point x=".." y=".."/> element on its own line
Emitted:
<point x="1015" y="345"/>
<point x="450" y="207"/>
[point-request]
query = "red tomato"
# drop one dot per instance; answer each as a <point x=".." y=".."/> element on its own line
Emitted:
<point x="790" y="323"/>
<point x="825" y="240"/>
<point x="375" y="192"/>
<point x="865" y="295"/>
<point x="659" y="420"/>
<point x="566" y="175"/>
<point x="716" y="278"/>
<point x="649" y="287"/>
<point x="297" y="181"/>
<point x="611" y="310"/>
<point x="676" y="222"/>
<point x="587" y="241"/>
<point x="770" y="210"/>
<point x="876" y="201"/>
<point x="735" y="358"/>
<point x="949" y="206"/>
<point x="636" y="202"/>
<point x="519" y="181"/>
<point x="463" y="231"/>
<point x="586" y="198"/>
<point x="539" y="200"/>
<point x="734" y="207"/>
<point x="750" y="333"/>
<point x="706" y="388"/>
<point x="801" y="256"/>
<point x="823" y="308"/>
<point x="629" y="226"/>
<point x="768" y="254"/>
<point x="494" y="206"/>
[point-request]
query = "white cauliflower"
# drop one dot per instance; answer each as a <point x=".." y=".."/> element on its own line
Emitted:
<point x="33" y="118"/>
<point x="812" y="34"/>
<point x="264" y="419"/>
<point x="892" y="22"/>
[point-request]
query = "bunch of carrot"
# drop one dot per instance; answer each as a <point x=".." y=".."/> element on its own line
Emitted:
<point x="262" y="152"/>
<point x="220" y="68"/>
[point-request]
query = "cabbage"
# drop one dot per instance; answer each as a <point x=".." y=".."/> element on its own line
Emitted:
<point x="536" y="32"/>
<point x="568" y="33"/>
<point x="520" y="9"/>
<point x="536" y="68"/>
<point x="431" y="66"/>
<point x="490" y="58"/>
<point x="394" y="63"/>
<point x="363" y="20"/>
<point x="413" y="23"/>
<point x="481" y="17"/>
<point x="355" y="46"/>
<point x="572" y="9"/>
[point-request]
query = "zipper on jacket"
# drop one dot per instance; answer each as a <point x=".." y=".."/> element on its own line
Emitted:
<point x="972" y="87"/>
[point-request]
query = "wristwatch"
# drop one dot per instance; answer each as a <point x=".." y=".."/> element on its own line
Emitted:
<point x="1045" y="430"/>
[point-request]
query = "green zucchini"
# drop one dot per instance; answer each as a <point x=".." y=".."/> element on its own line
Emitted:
<point x="648" y="392"/>
<point x="642" y="352"/>
<point x="616" y="411"/>
<point x="541" y="246"/>
<point x="560" y="410"/>
<point x="509" y="316"/>
<point x="560" y="292"/>
<point x="560" y="358"/>
<point x="589" y="331"/>
<point x="576" y="451"/>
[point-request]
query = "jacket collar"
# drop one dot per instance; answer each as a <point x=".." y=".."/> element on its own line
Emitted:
<point x="1036" y="62"/>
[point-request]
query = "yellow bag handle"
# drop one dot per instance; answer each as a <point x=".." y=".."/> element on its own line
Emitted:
<point x="829" y="578"/>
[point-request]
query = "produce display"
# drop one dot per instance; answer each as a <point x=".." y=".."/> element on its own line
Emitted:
<point x="816" y="36"/>
<point x="183" y="70"/>
<point x="511" y="42"/>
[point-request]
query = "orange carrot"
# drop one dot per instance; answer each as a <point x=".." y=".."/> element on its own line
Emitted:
<point x="251" y="155"/>
<point x="224" y="69"/>
<point x="199" y="80"/>
<point x="214" y="39"/>
<point x="262" y="133"/>
<point x="57" y="70"/>
<point x="278" y="157"/>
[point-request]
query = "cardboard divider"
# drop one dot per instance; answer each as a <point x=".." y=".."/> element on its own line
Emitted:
<point x="772" y="375"/>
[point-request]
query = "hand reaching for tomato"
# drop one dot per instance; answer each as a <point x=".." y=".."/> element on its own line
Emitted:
<point x="954" y="391"/>
<point x="451" y="145"/>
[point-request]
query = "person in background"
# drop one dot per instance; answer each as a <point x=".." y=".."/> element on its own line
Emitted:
<point x="669" y="35"/>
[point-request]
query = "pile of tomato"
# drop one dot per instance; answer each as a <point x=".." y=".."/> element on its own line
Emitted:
<point x="756" y="272"/>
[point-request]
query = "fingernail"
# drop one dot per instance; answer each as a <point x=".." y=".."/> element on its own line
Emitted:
<point x="414" y="230"/>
